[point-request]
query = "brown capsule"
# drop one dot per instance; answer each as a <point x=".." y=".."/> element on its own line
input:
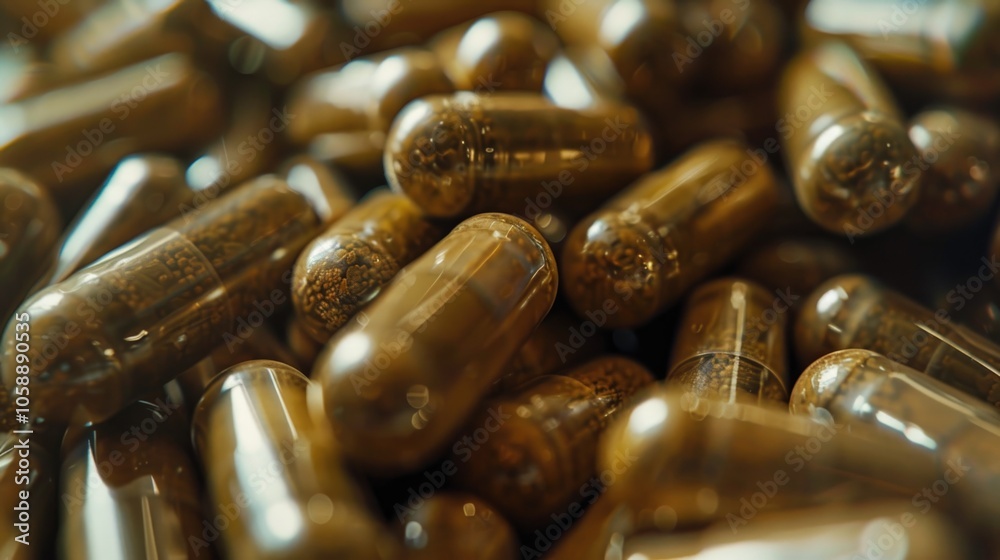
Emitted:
<point x="130" y="488"/>
<point x="582" y="77"/>
<point x="795" y="266"/>
<point x="748" y="115"/>
<point x="132" y="321"/>
<point x="38" y="480"/>
<point x="458" y="527"/>
<point x="644" y="248"/>
<point x="357" y="153"/>
<point x="543" y="442"/>
<point x="859" y="388"/>
<point x="505" y="50"/>
<point x="845" y="143"/>
<point x="75" y="135"/>
<point x="345" y="267"/>
<point x="467" y="153"/>
<point x="856" y="311"/>
<point x="24" y="73"/>
<point x="959" y="161"/>
<point x="33" y="22"/>
<point x="397" y="386"/>
<point x="731" y="343"/>
<point x="282" y="486"/>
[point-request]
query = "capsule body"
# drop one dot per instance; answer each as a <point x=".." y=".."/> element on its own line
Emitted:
<point x="545" y="448"/>
<point x="263" y="456"/>
<point x="397" y="386"/>
<point x="343" y="269"/>
<point x="645" y="247"/>
<point x="855" y="311"/>
<point x="731" y="343"/>
<point x="457" y="526"/>
<point x="468" y="153"/>
<point x="845" y="143"/>
<point x="39" y="481"/>
<point x="139" y="316"/>
<point x="797" y="265"/>
<point x="582" y="76"/>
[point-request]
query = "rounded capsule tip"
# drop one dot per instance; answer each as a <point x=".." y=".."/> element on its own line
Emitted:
<point x="820" y="382"/>
<point x="827" y="316"/>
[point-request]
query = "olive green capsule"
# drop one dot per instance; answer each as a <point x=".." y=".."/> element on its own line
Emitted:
<point x="544" y="445"/>
<point x="282" y="486"/>
<point x="458" y="527"/>
<point x="797" y="265"/>
<point x="28" y="524"/>
<point x="402" y="379"/>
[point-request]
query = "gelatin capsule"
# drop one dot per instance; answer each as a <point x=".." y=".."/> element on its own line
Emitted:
<point x="731" y="343"/>
<point x="845" y="143"/>
<point x="262" y="456"/>
<point x="458" y="527"/>
<point x="505" y="50"/>
<point x="856" y="311"/>
<point x="859" y="388"/>
<point x="381" y="22"/>
<point x="959" y="161"/>
<point x="545" y="446"/>
<point x="644" y="248"/>
<point x="582" y="77"/>
<point x="344" y="268"/>
<point x="797" y="265"/>
<point x="37" y="477"/>
<point x="464" y="154"/>
<point x="402" y="378"/>
<point x="130" y="488"/>
<point x="146" y="312"/>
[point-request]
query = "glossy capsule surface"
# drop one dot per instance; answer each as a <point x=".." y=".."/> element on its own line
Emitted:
<point x="731" y="343"/>
<point x="644" y="248"/>
<point x="419" y="21"/>
<point x="138" y="317"/>
<point x="401" y="380"/>
<point x="845" y="144"/>
<point x="343" y="269"/>
<point x="861" y="388"/>
<point x="545" y="447"/>
<point x="582" y="76"/>
<point x="797" y="265"/>
<point x="467" y="153"/>
<point x="264" y="459"/>
<point x="856" y="311"/>
<point x="130" y="488"/>
<point x="457" y="526"/>
<point x="26" y="469"/>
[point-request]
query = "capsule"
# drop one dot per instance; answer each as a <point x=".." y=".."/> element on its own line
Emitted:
<point x="748" y="115"/>
<point x="845" y="143"/>
<point x="30" y="22"/>
<point x="303" y="346"/>
<point x="138" y="317"/>
<point x="29" y="234"/>
<point x="263" y="458"/>
<point x="24" y="73"/>
<point x="399" y="382"/>
<point x="959" y="161"/>
<point x="797" y="265"/>
<point x="74" y="135"/>
<point x="505" y="50"/>
<point x="131" y="490"/>
<point x="39" y="482"/>
<point x="346" y="267"/>
<point x="582" y="77"/>
<point x="545" y="443"/>
<point x="855" y="311"/>
<point x="859" y="388"/>
<point x="731" y="343"/>
<point x="469" y="153"/>
<point x="644" y="248"/>
<point x="459" y="527"/>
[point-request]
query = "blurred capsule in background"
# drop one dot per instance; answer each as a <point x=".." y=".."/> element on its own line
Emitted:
<point x="797" y="265"/>
<point x="301" y="344"/>
<point x="28" y="497"/>
<point x="856" y="311"/>
<point x="959" y="161"/>
<point x="749" y="115"/>
<point x="463" y="154"/>
<point x="27" y="22"/>
<point x="277" y="489"/>
<point x="344" y="268"/>
<point x="731" y="343"/>
<point x="458" y="527"/>
<point x="644" y="248"/>
<point x="852" y="164"/>
<point x="24" y="72"/>
<point x="402" y="378"/>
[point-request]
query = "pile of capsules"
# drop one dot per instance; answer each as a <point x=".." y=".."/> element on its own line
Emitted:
<point x="649" y="280"/>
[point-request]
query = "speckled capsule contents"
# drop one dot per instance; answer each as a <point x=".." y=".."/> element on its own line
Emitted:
<point x="960" y="168"/>
<point x="862" y="388"/>
<point x="459" y="527"/>
<point x="343" y="269"/>
<point x="845" y="143"/>
<point x="262" y="455"/>
<point x="731" y="343"/>
<point x="797" y="265"/>
<point x="467" y="153"/>
<point x="402" y="378"/>
<point x="644" y="248"/>
<point x="138" y="317"/>
<point x="130" y="488"/>
<point x="544" y="445"/>
<point x="855" y="311"/>
<point x="40" y="483"/>
<point x="504" y="50"/>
